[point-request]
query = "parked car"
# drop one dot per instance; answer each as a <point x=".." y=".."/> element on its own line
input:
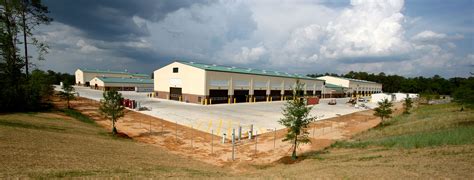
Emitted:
<point x="332" y="102"/>
<point x="362" y="100"/>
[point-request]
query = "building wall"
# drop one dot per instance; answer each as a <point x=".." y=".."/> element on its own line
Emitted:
<point x="251" y="82"/>
<point x="82" y="77"/>
<point x="354" y="86"/>
<point x="365" y="87"/>
<point x="196" y="83"/>
<point x="190" y="79"/>
<point x="101" y="85"/>
<point x="336" y="81"/>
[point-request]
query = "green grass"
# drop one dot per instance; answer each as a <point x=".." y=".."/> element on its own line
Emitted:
<point x="427" y="126"/>
<point x="29" y="126"/>
<point x="77" y="115"/>
<point x="52" y="145"/>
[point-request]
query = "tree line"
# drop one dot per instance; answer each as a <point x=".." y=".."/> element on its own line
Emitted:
<point x="19" y="91"/>
<point x="396" y="83"/>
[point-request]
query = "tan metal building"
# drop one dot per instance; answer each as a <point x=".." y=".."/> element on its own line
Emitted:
<point x="121" y="84"/>
<point x="84" y="76"/>
<point x="353" y="87"/>
<point x="205" y="83"/>
<point x="333" y="91"/>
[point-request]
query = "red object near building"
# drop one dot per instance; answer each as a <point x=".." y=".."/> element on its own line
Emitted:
<point x="312" y="101"/>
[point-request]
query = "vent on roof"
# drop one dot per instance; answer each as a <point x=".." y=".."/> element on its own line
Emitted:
<point x="249" y="69"/>
<point x="264" y="72"/>
<point x="191" y="62"/>
<point x="233" y="67"/>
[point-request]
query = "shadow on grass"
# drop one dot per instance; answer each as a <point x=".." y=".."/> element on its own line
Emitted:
<point x="17" y="124"/>
<point x="77" y="115"/>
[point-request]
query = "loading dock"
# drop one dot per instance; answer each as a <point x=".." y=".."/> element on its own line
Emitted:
<point x="202" y="83"/>
<point x="175" y="93"/>
<point x="288" y="94"/>
<point x="275" y="95"/>
<point x="218" y="96"/>
<point x="260" y="95"/>
<point x="241" y="95"/>
<point x="318" y="93"/>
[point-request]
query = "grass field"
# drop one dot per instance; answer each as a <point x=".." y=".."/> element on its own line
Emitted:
<point x="52" y="145"/>
<point x="433" y="142"/>
<point x="427" y="126"/>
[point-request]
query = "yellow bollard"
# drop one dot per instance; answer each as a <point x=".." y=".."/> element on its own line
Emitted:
<point x="228" y="101"/>
<point x="209" y="125"/>
<point x="235" y="100"/>
<point x="179" y="99"/>
<point x="254" y="99"/>
<point x="210" y="101"/>
<point x="271" y="99"/>
<point x="267" y="98"/>
<point x="219" y="128"/>
<point x="205" y="101"/>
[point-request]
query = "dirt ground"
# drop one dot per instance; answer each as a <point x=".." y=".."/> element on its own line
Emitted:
<point x="198" y="145"/>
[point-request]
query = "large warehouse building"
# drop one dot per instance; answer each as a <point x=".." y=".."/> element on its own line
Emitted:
<point x="84" y="76"/>
<point x="205" y="83"/>
<point x="122" y="84"/>
<point x="352" y="87"/>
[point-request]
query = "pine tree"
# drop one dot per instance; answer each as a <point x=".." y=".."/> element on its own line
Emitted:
<point x="112" y="108"/>
<point x="67" y="94"/>
<point x="296" y="119"/>
<point x="384" y="110"/>
<point x="407" y="105"/>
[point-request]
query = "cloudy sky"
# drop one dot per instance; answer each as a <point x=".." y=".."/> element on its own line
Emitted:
<point x="412" y="38"/>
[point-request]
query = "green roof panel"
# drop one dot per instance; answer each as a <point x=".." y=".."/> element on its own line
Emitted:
<point x="114" y="72"/>
<point x="232" y="69"/>
<point x="328" y="85"/>
<point x="125" y="80"/>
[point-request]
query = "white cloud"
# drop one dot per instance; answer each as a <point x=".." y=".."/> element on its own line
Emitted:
<point x="85" y="47"/>
<point x="369" y="28"/>
<point x="430" y="36"/>
<point x="248" y="55"/>
<point x="306" y="36"/>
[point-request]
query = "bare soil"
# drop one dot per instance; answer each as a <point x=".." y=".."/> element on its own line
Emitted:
<point x="266" y="148"/>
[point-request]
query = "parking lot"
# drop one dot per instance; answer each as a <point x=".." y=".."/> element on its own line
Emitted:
<point x="221" y="118"/>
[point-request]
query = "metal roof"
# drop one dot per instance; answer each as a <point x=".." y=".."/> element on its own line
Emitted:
<point x="350" y="79"/>
<point x="329" y="85"/>
<point x="232" y="69"/>
<point x="114" y="72"/>
<point x="125" y="80"/>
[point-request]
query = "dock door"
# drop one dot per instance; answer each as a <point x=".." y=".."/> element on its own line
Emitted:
<point x="175" y="93"/>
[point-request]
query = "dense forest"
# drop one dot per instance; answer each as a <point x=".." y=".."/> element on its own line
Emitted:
<point x="396" y="83"/>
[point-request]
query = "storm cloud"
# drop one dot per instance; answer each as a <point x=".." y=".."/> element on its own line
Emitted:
<point x="294" y="36"/>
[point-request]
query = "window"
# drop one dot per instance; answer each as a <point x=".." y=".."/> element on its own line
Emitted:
<point x="175" y="70"/>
